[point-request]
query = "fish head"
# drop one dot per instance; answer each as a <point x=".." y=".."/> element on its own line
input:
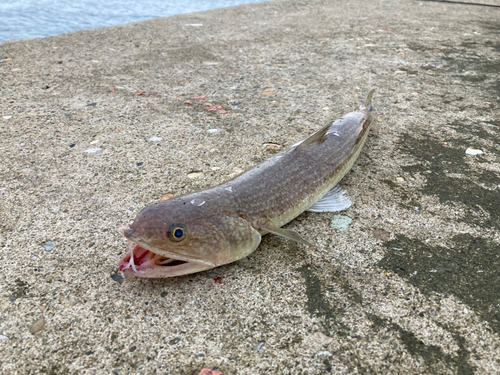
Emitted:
<point x="178" y="237"/>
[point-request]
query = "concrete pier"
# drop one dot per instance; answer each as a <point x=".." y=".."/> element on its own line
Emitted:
<point x="97" y="124"/>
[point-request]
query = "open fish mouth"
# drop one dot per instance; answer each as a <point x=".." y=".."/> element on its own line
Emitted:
<point x="141" y="262"/>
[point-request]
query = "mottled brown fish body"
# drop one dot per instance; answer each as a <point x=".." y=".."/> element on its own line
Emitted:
<point x="224" y="223"/>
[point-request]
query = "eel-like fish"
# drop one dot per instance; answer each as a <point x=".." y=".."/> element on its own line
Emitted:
<point x="220" y="225"/>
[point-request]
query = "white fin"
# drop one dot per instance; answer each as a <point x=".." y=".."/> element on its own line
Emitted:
<point x="287" y="233"/>
<point x="335" y="200"/>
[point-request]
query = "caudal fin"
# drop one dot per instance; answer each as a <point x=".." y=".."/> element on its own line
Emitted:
<point x="368" y="101"/>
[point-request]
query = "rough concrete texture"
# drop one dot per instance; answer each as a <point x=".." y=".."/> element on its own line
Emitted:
<point x="411" y="287"/>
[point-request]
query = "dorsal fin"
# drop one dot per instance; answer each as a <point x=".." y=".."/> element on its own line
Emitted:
<point x="319" y="136"/>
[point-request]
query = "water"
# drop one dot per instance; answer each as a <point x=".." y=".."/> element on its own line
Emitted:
<point x="21" y="19"/>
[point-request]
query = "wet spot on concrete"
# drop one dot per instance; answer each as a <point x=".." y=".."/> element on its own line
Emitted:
<point x="467" y="268"/>
<point x="340" y="281"/>
<point x="316" y="302"/>
<point x="433" y="355"/>
<point x="477" y="190"/>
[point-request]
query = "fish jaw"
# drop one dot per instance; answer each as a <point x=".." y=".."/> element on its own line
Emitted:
<point x="141" y="262"/>
<point x="151" y="257"/>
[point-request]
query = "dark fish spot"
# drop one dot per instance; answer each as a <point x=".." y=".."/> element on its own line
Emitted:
<point x="91" y="105"/>
<point x="140" y="163"/>
<point x="72" y="145"/>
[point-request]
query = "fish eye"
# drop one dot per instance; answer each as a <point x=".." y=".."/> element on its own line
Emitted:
<point x="177" y="232"/>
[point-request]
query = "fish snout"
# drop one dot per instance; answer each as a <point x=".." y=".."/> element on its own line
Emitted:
<point x="129" y="233"/>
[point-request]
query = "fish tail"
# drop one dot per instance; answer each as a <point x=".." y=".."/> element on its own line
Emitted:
<point x="368" y="101"/>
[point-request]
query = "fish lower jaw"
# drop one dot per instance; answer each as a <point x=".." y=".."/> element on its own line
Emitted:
<point x="140" y="262"/>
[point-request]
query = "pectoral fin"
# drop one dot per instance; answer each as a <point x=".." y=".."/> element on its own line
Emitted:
<point x="286" y="233"/>
<point x="335" y="200"/>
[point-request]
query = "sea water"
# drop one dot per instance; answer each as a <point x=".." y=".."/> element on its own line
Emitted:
<point x="21" y="19"/>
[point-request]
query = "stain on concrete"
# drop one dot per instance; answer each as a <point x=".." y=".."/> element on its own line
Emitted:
<point x="19" y="290"/>
<point x="467" y="264"/>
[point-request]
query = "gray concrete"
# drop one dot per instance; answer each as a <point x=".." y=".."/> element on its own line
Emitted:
<point x="411" y="287"/>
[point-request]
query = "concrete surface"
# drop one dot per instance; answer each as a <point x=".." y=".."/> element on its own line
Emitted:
<point x="411" y="287"/>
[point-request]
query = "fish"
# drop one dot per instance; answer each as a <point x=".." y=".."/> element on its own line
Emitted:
<point x="225" y="223"/>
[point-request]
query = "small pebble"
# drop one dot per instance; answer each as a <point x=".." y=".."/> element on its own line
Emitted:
<point x="38" y="326"/>
<point x="322" y="339"/>
<point x="211" y="131"/>
<point x="381" y="234"/>
<point x="72" y="145"/>
<point x="212" y="275"/>
<point x="167" y="196"/>
<point x="118" y="278"/>
<point x="6" y="117"/>
<point x="156" y="139"/>
<point x="273" y="146"/>
<point x="174" y="341"/>
<point x="340" y="222"/>
<point x="473" y="151"/>
<point x="93" y="150"/>
<point x="258" y="348"/>
<point x="140" y="163"/>
<point x="91" y="105"/>
<point x="49" y="245"/>
<point x="195" y="174"/>
<point x="207" y="371"/>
